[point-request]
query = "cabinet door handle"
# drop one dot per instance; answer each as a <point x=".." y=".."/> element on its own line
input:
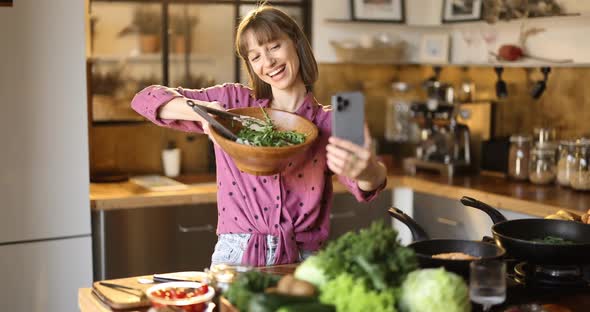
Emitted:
<point x="447" y="221"/>
<point x="343" y="215"/>
<point x="198" y="228"/>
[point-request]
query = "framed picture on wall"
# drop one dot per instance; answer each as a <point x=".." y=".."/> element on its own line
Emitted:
<point x="386" y="11"/>
<point x="434" y="48"/>
<point x="461" y="10"/>
<point x="5" y="3"/>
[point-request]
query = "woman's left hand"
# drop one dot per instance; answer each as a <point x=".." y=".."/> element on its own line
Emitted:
<point x="356" y="162"/>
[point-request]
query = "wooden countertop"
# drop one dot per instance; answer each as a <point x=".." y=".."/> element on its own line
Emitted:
<point x="522" y="197"/>
<point x="87" y="302"/>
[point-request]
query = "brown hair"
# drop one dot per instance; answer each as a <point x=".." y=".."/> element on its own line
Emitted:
<point x="268" y="24"/>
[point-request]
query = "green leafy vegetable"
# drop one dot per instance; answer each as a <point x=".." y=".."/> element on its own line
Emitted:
<point x="264" y="133"/>
<point x="434" y="290"/>
<point x="373" y="255"/>
<point x="247" y="285"/>
<point x="553" y="240"/>
<point x="311" y="270"/>
<point x="350" y="294"/>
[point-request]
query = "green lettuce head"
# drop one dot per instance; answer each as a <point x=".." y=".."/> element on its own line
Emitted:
<point x="434" y="290"/>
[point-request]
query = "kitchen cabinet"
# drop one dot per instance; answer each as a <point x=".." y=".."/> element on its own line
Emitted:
<point x="136" y="43"/>
<point x="140" y="241"/>
<point x="148" y="240"/>
<point x="350" y="215"/>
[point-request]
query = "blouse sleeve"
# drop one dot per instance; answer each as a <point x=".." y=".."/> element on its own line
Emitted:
<point x="360" y="195"/>
<point x="148" y="101"/>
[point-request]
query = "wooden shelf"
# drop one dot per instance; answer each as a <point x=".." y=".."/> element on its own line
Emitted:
<point x="559" y="18"/>
<point x="344" y="21"/>
<point x="149" y="58"/>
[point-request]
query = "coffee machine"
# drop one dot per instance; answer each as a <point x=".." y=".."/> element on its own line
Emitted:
<point x="444" y="143"/>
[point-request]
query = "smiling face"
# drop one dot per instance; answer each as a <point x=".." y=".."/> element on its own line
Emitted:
<point x="275" y="62"/>
<point x="275" y="51"/>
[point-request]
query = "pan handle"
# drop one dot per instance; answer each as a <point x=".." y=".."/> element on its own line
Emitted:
<point x="496" y="216"/>
<point x="418" y="233"/>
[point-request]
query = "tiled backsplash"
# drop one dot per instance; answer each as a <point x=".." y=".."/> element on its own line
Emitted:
<point x="565" y="106"/>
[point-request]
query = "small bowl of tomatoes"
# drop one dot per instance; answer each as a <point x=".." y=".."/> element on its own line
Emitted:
<point x="186" y="296"/>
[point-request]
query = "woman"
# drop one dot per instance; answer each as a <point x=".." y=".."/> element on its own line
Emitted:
<point x="266" y="220"/>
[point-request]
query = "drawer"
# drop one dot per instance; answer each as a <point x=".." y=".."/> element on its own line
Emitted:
<point x="195" y="236"/>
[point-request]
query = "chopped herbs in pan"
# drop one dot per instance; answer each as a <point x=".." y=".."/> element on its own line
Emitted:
<point x="264" y="133"/>
<point x="553" y="240"/>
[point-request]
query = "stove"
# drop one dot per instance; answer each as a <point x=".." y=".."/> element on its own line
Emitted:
<point x="530" y="287"/>
<point x="549" y="276"/>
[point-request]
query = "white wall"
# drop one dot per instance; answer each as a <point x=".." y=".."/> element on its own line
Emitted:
<point x="565" y="37"/>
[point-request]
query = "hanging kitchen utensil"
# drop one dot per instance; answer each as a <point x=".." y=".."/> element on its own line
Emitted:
<point x="526" y="239"/>
<point x="212" y="122"/>
<point x="540" y="86"/>
<point x="425" y="248"/>
<point x="501" y="88"/>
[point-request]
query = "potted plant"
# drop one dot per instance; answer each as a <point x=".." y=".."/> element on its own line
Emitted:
<point x="147" y="23"/>
<point x="181" y="27"/>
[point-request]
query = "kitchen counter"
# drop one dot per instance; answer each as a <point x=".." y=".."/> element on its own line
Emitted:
<point x="87" y="302"/>
<point x="521" y="197"/>
<point x="556" y="300"/>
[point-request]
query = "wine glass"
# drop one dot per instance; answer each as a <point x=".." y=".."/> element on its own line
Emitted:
<point x="487" y="282"/>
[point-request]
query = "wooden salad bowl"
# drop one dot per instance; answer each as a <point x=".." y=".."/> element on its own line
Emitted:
<point x="259" y="160"/>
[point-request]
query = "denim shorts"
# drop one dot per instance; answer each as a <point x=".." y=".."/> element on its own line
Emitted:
<point x="230" y="249"/>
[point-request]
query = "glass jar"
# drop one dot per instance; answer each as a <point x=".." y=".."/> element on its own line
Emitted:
<point x="580" y="175"/>
<point x="518" y="157"/>
<point x="399" y="123"/>
<point x="544" y="135"/>
<point x="220" y="276"/>
<point x="542" y="165"/>
<point x="565" y="163"/>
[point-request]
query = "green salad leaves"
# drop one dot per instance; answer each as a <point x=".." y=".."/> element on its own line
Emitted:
<point x="264" y="133"/>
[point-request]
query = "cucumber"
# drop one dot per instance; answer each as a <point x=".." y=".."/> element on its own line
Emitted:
<point x="272" y="302"/>
<point x="308" y="307"/>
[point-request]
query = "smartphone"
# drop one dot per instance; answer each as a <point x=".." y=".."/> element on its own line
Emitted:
<point x="348" y="117"/>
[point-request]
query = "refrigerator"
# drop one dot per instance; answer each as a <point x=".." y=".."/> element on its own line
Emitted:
<point x="45" y="241"/>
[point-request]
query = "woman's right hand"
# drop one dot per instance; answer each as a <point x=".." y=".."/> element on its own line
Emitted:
<point x="178" y="109"/>
<point x="202" y="121"/>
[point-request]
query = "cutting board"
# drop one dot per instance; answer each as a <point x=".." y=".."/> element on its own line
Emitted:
<point x="120" y="300"/>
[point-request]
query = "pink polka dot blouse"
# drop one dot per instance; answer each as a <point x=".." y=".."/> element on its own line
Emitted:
<point x="293" y="205"/>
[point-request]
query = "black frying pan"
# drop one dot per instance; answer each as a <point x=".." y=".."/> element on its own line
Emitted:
<point x="517" y="237"/>
<point x="425" y="248"/>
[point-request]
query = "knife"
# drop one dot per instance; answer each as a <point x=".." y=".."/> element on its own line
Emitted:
<point x="125" y="289"/>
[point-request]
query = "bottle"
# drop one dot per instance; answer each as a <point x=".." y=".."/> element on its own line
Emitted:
<point x="171" y="160"/>
<point x="518" y="157"/>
